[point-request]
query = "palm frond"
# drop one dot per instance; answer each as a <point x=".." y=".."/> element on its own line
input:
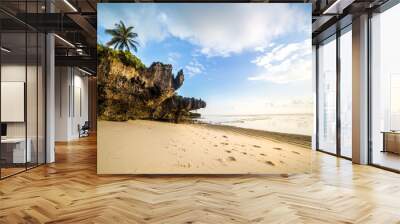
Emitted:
<point x="123" y="37"/>
<point x="133" y="45"/>
<point x="129" y="29"/>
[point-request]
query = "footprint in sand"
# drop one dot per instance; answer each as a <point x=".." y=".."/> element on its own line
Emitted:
<point x="231" y="158"/>
<point x="296" y="152"/>
<point x="188" y="165"/>
<point x="215" y="145"/>
<point x="224" y="143"/>
<point x="281" y="162"/>
<point x="243" y="145"/>
<point x="221" y="161"/>
<point x="277" y="148"/>
<point x="263" y="154"/>
<point x="270" y="163"/>
<point x="244" y="153"/>
<point x="227" y="151"/>
<point x="256" y="146"/>
<point x="224" y="136"/>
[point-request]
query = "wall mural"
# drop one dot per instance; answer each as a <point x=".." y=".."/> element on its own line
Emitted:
<point x="204" y="88"/>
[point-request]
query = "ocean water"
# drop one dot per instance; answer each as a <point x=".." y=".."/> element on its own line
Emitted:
<point x="284" y="123"/>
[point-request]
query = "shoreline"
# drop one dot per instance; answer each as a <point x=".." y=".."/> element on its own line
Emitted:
<point x="296" y="139"/>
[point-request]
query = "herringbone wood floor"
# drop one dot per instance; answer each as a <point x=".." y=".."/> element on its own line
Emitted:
<point x="69" y="191"/>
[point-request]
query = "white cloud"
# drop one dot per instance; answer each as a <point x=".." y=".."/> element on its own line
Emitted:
<point x="221" y="31"/>
<point x="194" y="68"/>
<point x="286" y="63"/>
<point x="263" y="48"/>
<point x="173" y="57"/>
<point x="217" y="29"/>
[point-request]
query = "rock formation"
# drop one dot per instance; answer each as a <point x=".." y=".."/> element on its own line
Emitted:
<point x="129" y="90"/>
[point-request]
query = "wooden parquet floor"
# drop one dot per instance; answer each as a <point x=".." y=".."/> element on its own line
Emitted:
<point x="69" y="191"/>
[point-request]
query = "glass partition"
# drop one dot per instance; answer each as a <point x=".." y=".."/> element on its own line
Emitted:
<point x="327" y="96"/>
<point x="14" y="153"/>
<point x="22" y="87"/>
<point x="385" y="89"/>
<point x="346" y="93"/>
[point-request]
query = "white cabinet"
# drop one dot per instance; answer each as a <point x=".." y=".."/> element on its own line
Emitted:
<point x="19" y="155"/>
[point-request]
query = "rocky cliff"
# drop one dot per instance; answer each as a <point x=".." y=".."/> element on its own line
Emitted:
<point x="129" y="90"/>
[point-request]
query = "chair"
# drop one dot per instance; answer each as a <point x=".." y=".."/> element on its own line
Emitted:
<point x="84" y="130"/>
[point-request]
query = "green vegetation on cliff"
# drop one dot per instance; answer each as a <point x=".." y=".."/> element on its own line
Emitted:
<point x="125" y="57"/>
<point x="129" y="90"/>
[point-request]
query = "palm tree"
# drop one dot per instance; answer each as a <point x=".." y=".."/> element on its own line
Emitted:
<point x="123" y="37"/>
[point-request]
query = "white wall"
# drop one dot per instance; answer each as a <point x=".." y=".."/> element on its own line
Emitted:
<point x="16" y="73"/>
<point x="71" y="87"/>
<point x="13" y="72"/>
<point x="62" y="82"/>
<point x="80" y="108"/>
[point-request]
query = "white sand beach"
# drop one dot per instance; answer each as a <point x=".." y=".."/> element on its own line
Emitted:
<point x="152" y="147"/>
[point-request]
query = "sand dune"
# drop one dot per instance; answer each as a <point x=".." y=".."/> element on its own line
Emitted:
<point x="151" y="147"/>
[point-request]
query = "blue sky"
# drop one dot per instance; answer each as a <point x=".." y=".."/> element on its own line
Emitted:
<point x="240" y="58"/>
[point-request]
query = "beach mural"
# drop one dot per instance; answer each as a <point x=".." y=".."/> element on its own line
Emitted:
<point x="204" y="88"/>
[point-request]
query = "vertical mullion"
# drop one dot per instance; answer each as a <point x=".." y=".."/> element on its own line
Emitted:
<point x="369" y="89"/>
<point x="338" y="81"/>
<point x="45" y="86"/>
<point x="69" y="93"/>
<point x="37" y="89"/>
<point x="317" y="95"/>
<point x="45" y="95"/>
<point x="60" y="88"/>
<point x="0" y="93"/>
<point x="26" y="86"/>
<point x="73" y="92"/>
